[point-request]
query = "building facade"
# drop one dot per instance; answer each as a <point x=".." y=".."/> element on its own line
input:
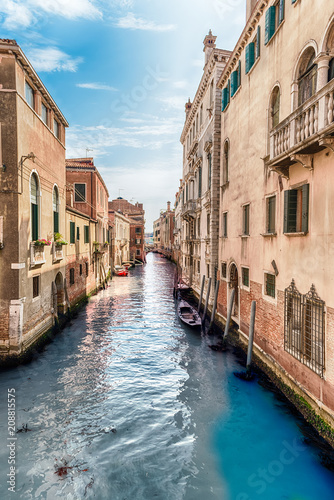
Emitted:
<point x="199" y="198"/>
<point x="163" y="232"/>
<point x="275" y="230"/>
<point x="32" y="201"/>
<point x="121" y="237"/>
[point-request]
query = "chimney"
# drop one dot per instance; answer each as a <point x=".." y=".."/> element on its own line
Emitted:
<point x="209" y="45"/>
<point x="168" y="206"/>
<point x="249" y="8"/>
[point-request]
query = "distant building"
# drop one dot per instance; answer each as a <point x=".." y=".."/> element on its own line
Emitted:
<point x="121" y="237"/>
<point x="32" y="201"/>
<point x="163" y="232"/>
<point x="136" y="216"/>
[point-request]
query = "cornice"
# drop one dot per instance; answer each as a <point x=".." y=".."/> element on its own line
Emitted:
<point x="247" y="32"/>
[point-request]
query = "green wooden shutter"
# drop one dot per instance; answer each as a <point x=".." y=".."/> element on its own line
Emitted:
<point x="224" y="99"/>
<point x="290" y="211"/>
<point x="249" y="53"/>
<point x="55" y="222"/>
<point x="234" y="82"/>
<point x="86" y="234"/>
<point x="305" y="204"/>
<point x="228" y="90"/>
<point x="239" y="74"/>
<point x="293" y="1"/>
<point x="34" y="221"/>
<point x="258" y="41"/>
<point x="270" y="24"/>
<point x="72" y="232"/>
<point x="281" y="12"/>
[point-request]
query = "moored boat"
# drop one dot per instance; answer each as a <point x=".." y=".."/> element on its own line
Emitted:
<point x="188" y="314"/>
<point x="120" y="271"/>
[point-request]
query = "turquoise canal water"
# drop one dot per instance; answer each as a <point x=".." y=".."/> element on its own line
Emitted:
<point x="127" y="404"/>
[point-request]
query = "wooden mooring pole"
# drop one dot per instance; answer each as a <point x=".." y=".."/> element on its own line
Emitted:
<point x="207" y="300"/>
<point x="229" y="314"/>
<point x="251" y="338"/>
<point x="214" y="306"/>
<point x="201" y="296"/>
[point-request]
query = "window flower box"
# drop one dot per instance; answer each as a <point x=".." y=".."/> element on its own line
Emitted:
<point x="37" y="253"/>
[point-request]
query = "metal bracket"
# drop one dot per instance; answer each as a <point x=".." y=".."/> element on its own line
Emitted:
<point x="305" y="160"/>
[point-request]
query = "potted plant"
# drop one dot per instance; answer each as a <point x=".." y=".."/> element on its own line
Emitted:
<point x="59" y="240"/>
<point x="42" y="242"/>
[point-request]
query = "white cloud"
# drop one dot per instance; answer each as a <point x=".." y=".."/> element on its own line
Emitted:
<point x="52" y="59"/>
<point x="16" y="15"/>
<point x="96" y="86"/>
<point x="173" y="102"/>
<point x="137" y="23"/>
<point x="70" y="9"/>
<point x="182" y="84"/>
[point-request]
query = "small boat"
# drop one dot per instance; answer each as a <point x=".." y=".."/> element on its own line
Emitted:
<point x="120" y="271"/>
<point x="188" y="314"/>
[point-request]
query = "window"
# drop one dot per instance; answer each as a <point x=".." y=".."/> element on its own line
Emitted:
<point x="257" y="42"/>
<point x="245" y="220"/>
<point x="199" y="182"/>
<point x="138" y="230"/>
<point x="29" y="92"/>
<point x="209" y="169"/>
<point x="307" y="80"/>
<point x="199" y="226"/>
<point x="78" y="233"/>
<point x="137" y="252"/>
<point x="304" y="327"/>
<point x="224" y="269"/>
<point x="235" y="79"/>
<point x="269" y="282"/>
<point x="79" y="192"/>
<point x="56" y="129"/>
<point x="225" y="225"/>
<point x="249" y="56"/>
<point x="138" y="241"/>
<point x="274" y="17"/>
<point x="72" y="276"/>
<point x="211" y="93"/>
<point x="55" y="208"/>
<point x="245" y="276"/>
<point x="87" y="268"/>
<point x="275" y="104"/>
<point x="226" y="95"/>
<point x="34" y="198"/>
<point x="270" y="214"/>
<point x="35" y="286"/>
<point x="331" y="70"/>
<point x="86" y="234"/>
<point x="44" y="114"/>
<point x="72" y="232"/>
<point x="208" y="224"/>
<point x="296" y="203"/>
<point x="225" y="161"/>
<point x="80" y="269"/>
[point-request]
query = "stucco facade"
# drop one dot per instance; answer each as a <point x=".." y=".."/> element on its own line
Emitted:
<point x="121" y="238"/>
<point x="32" y="201"/>
<point x="275" y="230"/>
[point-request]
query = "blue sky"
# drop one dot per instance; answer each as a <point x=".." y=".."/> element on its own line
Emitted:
<point x="121" y="72"/>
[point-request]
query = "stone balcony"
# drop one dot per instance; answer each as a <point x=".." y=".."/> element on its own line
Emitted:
<point x="188" y="210"/>
<point x="304" y="132"/>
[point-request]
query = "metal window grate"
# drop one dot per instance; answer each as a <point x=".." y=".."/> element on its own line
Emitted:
<point x="304" y="327"/>
<point x="270" y="284"/>
<point x="245" y="276"/>
<point x="224" y="269"/>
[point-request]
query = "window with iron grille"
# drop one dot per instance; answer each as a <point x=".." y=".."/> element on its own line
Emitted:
<point x="225" y="225"/>
<point x="35" y="286"/>
<point x="304" y="327"/>
<point x="270" y="214"/>
<point x="137" y="252"/>
<point x="72" y="232"/>
<point x="245" y="220"/>
<point x="269" y="288"/>
<point x="224" y="269"/>
<point x="87" y="268"/>
<point x="245" y="276"/>
<point x="296" y="202"/>
<point x="72" y="276"/>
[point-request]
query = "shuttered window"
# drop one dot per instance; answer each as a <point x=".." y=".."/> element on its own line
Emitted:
<point x="270" y="23"/>
<point x="280" y="11"/>
<point x="55" y="207"/>
<point x="86" y="234"/>
<point x="250" y="56"/>
<point x="200" y="182"/>
<point x="258" y="41"/>
<point x="72" y="232"/>
<point x="234" y="82"/>
<point x="296" y="203"/>
<point x="34" y="207"/>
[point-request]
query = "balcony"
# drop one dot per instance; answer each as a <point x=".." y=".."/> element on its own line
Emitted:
<point x="304" y="132"/>
<point x="57" y="252"/>
<point x="37" y="255"/>
<point x="188" y="210"/>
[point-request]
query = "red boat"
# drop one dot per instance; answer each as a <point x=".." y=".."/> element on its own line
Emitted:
<point x="120" y="271"/>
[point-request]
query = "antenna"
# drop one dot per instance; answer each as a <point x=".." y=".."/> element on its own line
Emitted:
<point x="87" y="151"/>
<point x="119" y="191"/>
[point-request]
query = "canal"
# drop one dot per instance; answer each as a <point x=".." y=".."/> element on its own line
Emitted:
<point x="127" y="404"/>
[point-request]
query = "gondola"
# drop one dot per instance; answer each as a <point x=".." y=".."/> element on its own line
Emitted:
<point x="188" y="314"/>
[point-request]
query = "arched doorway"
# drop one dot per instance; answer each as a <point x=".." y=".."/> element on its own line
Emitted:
<point x="234" y="284"/>
<point x="59" y="281"/>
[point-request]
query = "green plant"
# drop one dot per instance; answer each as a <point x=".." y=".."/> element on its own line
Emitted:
<point x="59" y="240"/>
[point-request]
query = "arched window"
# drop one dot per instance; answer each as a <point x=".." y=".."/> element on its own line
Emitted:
<point x="226" y="153"/>
<point x="34" y="198"/>
<point x="55" y="208"/>
<point x="331" y="70"/>
<point x="275" y="104"/>
<point x="307" y="76"/>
